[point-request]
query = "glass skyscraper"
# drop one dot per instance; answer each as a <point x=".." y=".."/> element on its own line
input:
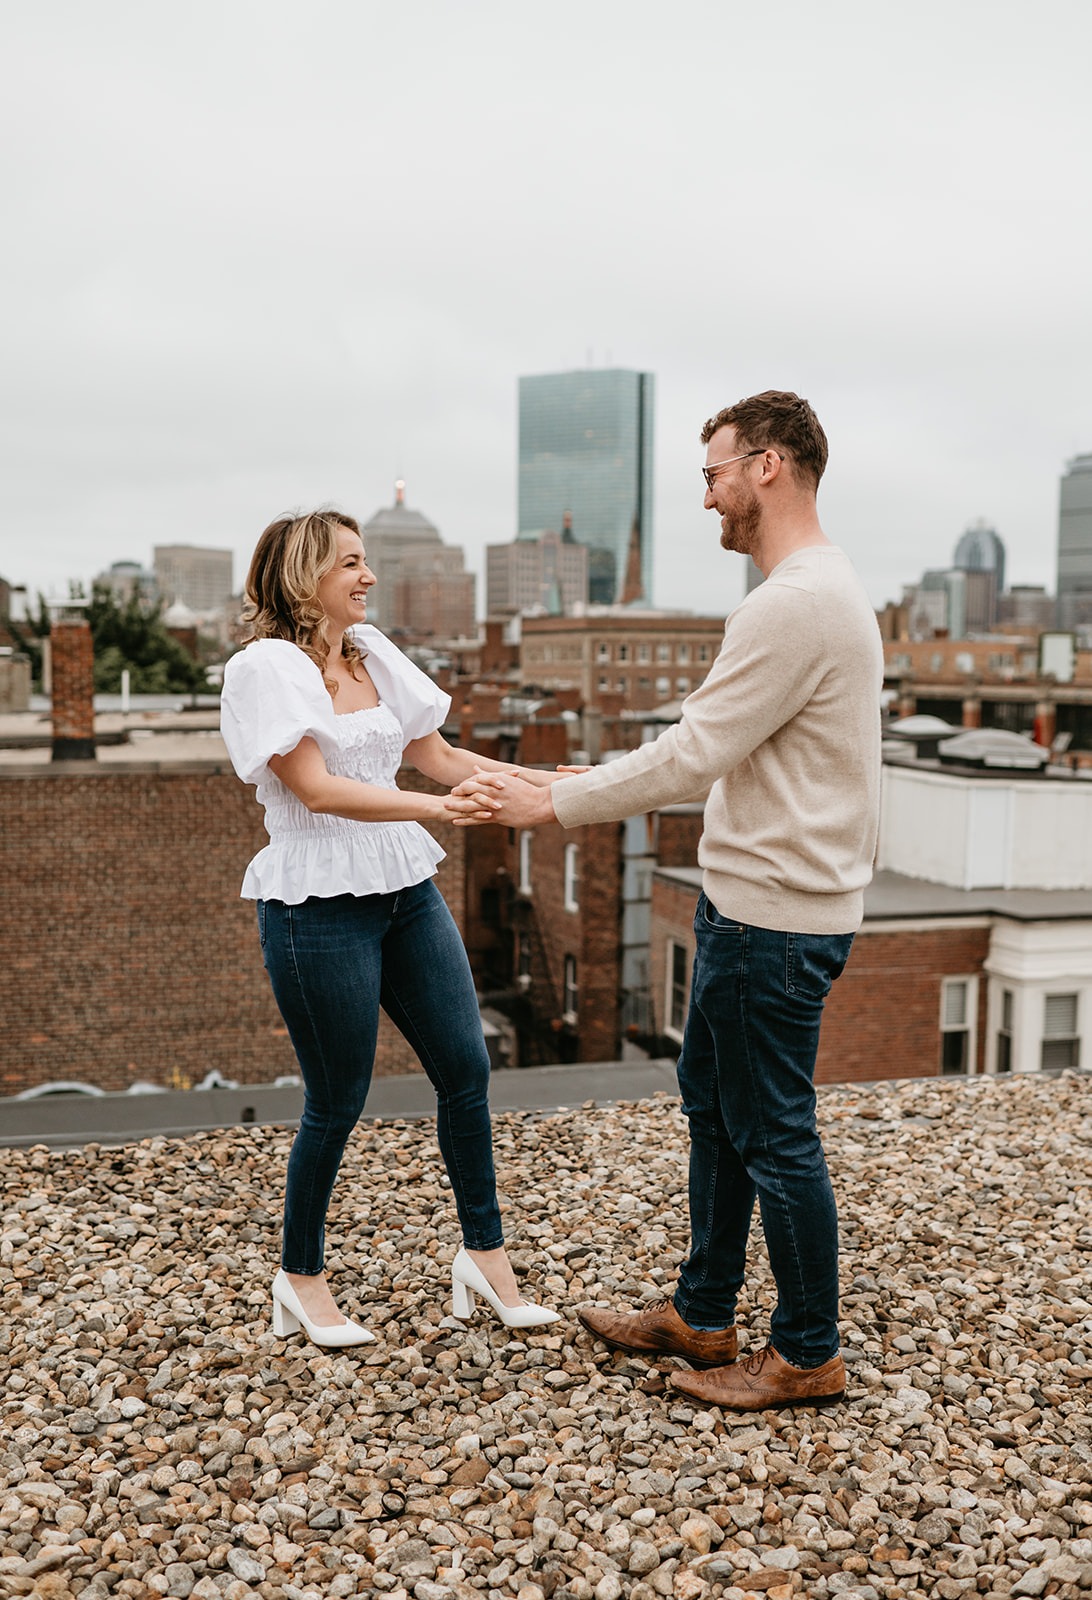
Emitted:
<point x="1075" y="544"/>
<point x="585" y="450"/>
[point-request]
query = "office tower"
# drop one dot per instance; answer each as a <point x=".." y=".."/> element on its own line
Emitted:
<point x="980" y="550"/>
<point x="585" y="449"/>
<point x="1075" y="544"/>
<point x="194" y="574"/>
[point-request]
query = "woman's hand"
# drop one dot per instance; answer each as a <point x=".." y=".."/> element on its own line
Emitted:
<point x="468" y="810"/>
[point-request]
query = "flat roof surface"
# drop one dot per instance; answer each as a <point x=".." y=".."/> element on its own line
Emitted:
<point x="892" y="895"/>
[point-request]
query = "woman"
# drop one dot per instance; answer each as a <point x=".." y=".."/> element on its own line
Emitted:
<point x="319" y="711"/>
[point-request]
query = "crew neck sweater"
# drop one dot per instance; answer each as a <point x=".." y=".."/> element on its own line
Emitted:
<point x="783" y="736"/>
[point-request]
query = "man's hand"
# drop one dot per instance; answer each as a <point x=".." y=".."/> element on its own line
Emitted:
<point x="507" y="798"/>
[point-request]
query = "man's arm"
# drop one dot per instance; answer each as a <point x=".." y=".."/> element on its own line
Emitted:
<point x="768" y="668"/>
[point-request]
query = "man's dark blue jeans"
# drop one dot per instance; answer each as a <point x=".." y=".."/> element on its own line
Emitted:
<point x="746" y="1079"/>
<point x="333" y="962"/>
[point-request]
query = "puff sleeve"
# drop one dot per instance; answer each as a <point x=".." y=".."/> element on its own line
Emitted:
<point x="416" y="701"/>
<point x="273" y="697"/>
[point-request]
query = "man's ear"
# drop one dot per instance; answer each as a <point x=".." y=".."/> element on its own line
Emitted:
<point x="772" y="464"/>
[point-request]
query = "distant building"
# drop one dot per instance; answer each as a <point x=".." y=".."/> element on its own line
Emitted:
<point x="199" y="577"/>
<point x="959" y="601"/>
<point x="1075" y="544"/>
<point x="585" y="448"/>
<point x="536" y="572"/>
<point x="641" y="659"/>
<point x="422" y="586"/>
<point x="980" y="550"/>
<point x="1026" y="605"/>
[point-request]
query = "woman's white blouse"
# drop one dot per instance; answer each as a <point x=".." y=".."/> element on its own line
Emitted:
<point x="273" y="697"/>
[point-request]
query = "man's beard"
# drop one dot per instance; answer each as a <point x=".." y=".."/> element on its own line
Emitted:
<point x="743" y="520"/>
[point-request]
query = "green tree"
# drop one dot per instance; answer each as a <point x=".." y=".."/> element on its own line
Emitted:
<point x="124" y="634"/>
<point x="130" y="634"/>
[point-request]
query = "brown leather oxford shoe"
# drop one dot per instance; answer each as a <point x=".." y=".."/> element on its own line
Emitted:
<point x="658" y="1330"/>
<point x="764" y="1382"/>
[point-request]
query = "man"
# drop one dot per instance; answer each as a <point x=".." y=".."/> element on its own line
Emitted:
<point x="784" y="734"/>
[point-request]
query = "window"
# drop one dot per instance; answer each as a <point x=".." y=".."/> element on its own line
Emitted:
<point x="675" y="1008"/>
<point x="604" y="685"/>
<point x="525" y="863"/>
<point x="663" y="687"/>
<point x="1061" y="1043"/>
<point x="682" y="685"/>
<point x="602" y="652"/>
<point x="644" y="654"/>
<point x="682" y="655"/>
<point x="572" y="878"/>
<point x="621" y="685"/>
<point x="703" y="652"/>
<point x="1004" y="1033"/>
<point x="644" y="683"/>
<point x="570" y="998"/>
<point x="623" y="652"/>
<point x="957" y="999"/>
<point x="663" y="652"/>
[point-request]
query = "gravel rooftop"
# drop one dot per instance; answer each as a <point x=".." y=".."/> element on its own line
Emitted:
<point x="157" y="1439"/>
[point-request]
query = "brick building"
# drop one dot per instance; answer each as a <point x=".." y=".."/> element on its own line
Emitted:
<point x="639" y="659"/>
<point x="991" y="683"/>
<point x="975" y="954"/>
<point x="125" y="952"/>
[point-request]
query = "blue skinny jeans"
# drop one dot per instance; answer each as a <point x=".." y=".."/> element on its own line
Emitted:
<point x="332" y="963"/>
<point x="746" y="1079"/>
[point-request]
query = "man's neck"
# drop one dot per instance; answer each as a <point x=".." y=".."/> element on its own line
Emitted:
<point x="784" y="537"/>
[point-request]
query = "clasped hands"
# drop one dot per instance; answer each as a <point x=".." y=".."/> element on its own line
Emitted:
<point x="506" y="797"/>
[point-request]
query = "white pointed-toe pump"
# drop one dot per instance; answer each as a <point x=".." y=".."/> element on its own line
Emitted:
<point x="289" y="1317"/>
<point x="468" y="1280"/>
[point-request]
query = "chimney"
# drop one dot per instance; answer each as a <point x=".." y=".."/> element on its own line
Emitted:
<point x="73" y="682"/>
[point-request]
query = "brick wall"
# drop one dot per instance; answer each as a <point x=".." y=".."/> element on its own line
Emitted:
<point x="590" y="934"/>
<point x="125" y="952"/>
<point x="882" y="1019"/>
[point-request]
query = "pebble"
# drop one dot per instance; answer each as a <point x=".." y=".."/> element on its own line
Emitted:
<point x="157" y="1439"/>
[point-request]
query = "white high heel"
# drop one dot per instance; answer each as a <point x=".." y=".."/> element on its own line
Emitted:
<point x="289" y="1317"/>
<point x="467" y="1280"/>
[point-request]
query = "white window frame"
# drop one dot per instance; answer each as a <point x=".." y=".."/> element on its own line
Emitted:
<point x="673" y="947"/>
<point x="1005" y="1029"/>
<point x="572" y="877"/>
<point x="571" y="992"/>
<point x="967" y="1026"/>
<point x="525" y="861"/>
<point x="1070" y="1036"/>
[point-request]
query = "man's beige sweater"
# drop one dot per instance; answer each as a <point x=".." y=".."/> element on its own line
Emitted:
<point x="784" y="737"/>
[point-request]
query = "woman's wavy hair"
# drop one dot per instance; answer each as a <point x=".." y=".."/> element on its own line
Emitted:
<point x="289" y="562"/>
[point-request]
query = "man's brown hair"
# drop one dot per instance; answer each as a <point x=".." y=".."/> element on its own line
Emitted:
<point x="776" y="420"/>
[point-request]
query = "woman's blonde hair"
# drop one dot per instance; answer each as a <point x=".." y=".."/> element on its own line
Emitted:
<point x="290" y="560"/>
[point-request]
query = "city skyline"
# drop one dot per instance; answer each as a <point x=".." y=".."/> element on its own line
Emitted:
<point x="289" y="269"/>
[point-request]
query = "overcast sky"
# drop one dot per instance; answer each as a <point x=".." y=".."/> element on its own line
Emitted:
<point x="260" y="256"/>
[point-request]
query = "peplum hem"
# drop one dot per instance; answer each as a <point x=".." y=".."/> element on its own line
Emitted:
<point x="374" y="858"/>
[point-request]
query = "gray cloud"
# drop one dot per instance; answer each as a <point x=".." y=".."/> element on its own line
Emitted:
<point x="260" y="257"/>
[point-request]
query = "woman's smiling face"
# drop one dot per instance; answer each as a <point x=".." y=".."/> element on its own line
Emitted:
<point x="343" y="592"/>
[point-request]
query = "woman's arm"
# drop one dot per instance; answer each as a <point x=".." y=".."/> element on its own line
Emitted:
<point x="450" y="764"/>
<point x="304" y="772"/>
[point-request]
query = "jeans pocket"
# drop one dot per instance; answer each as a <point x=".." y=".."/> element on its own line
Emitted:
<point x="710" y="917"/>
<point x="813" y="961"/>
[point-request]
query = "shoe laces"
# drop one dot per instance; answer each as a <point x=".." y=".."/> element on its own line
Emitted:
<point x="755" y="1361"/>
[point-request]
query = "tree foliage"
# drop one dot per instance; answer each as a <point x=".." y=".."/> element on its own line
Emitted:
<point x="130" y="633"/>
<point x="124" y="633"/>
